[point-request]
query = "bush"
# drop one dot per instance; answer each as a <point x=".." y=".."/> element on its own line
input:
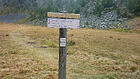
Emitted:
<point x="70" y="43"/>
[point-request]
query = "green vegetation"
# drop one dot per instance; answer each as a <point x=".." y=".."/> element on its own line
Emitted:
<point x="127" y="8"/>
<point x="38" y="12"/>
<point x="121" y="30"/>
<point x="17" y="6"/>
<point x="102" y="5"/>
<point x="70" y="43"/>
<point x="50" y="44"/>
<point x="72" y="6"/>
<point x="133" y="6"/>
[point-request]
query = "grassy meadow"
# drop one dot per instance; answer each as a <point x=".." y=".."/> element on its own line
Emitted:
<point x="31" y="52"/>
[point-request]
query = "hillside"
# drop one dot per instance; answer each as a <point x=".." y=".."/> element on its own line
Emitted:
<point x="135" y="23"/>
<point x="101" y="14"/>
<point x="17" y="6"/>
<point x="32" y="52"/>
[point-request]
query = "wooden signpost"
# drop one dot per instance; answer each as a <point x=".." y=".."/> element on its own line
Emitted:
<point x="63" y="21"/>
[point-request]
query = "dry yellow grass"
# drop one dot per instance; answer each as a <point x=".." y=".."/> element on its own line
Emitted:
<point x="94" y="54"/>
<point x="17" y="62"/>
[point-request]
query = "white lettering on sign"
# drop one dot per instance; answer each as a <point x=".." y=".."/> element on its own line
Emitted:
<point x="62" y="42"/>
<point x="63" y="23"/>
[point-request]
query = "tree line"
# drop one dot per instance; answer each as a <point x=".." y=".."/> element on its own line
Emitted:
<point x="32" y="7"/>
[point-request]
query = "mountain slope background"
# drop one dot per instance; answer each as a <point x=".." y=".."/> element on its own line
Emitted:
<point x="17" y="6"/>
<point x="94" y="13"/>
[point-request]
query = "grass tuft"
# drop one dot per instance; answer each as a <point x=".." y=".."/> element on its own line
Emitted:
<point x="121" y="30"/>
<point x="71" y="43"/>
<point x="50" y="44"/>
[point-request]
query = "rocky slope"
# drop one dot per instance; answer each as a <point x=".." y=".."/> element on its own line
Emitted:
<point x="102" y="14"/>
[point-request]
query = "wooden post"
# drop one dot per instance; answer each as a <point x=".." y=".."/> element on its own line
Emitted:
<point x="62" y="53"/>
<point x="63" y="21"/>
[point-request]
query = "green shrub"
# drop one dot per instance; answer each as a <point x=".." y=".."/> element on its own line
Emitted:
<point x="70" y="43"/>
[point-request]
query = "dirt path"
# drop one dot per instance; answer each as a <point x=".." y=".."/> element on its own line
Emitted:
<point x="40" y="51"/>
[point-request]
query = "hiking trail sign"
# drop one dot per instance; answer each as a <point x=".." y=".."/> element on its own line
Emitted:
<point x="63" y="21"/>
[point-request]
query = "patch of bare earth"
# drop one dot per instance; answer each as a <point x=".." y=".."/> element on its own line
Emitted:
<point x="135" y="23"/>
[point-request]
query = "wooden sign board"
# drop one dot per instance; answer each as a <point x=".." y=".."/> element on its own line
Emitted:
<point x="63" y="20"/>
